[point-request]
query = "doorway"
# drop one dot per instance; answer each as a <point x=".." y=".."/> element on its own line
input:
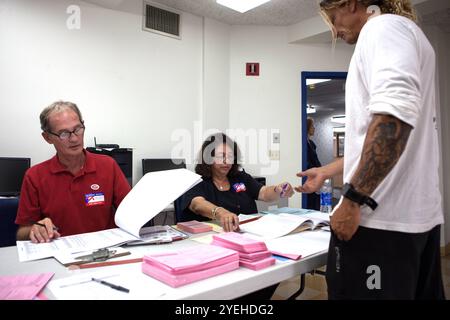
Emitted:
<point x="323" y="100"/>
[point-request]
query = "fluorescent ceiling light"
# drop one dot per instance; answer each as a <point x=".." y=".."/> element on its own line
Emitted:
<point x="310" y="109"/>
<point x="338" y="129"/>
<point x="241" y="5"/>
<point x="314" y="81"/>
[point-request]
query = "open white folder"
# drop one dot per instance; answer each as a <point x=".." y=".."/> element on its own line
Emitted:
<point x="154" y="192"/>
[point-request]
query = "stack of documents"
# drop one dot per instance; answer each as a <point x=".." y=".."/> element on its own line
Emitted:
<point x="272" y="226"/>
<point x="194" y="226"/>
<point x="200" y="262"/>
<point x="253" y="254"/>
<point x="24" y="286"/>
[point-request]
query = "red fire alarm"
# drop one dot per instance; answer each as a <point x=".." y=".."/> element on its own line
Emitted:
<point x="252" y="69"/>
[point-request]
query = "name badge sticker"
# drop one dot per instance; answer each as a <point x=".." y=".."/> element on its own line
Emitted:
<point x="239" y="187"/>
<point x="94" y="199"/>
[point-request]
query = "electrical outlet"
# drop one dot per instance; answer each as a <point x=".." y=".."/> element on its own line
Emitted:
<point x="276" y="137"/>
<point x="274" y="154"/>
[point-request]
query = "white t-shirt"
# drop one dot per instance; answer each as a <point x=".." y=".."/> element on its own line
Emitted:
<point x="392" y="71"/>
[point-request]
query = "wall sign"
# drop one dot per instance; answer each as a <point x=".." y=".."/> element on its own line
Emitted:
<point x="252" y="69"/>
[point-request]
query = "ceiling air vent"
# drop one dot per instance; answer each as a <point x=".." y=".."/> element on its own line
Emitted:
<point x="161" y="20"/>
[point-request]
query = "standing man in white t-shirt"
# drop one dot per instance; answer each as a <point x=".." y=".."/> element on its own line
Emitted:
<point x="386" y="227"/>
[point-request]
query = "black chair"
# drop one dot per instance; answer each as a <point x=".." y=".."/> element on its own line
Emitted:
<point x="8" y="229"/>
<point x="160" y="164"/>
<point x="177" y="209"/>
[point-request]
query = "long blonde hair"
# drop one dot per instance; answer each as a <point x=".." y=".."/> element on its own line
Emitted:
<point x="398" y="7"/>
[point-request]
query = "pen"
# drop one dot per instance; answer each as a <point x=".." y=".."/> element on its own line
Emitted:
<point x="111" y="285"/>
<point x="283" y="189"/>
<point x="43" y="225"/>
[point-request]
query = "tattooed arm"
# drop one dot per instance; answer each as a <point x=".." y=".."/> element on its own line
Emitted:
<point x="385" y="142"/>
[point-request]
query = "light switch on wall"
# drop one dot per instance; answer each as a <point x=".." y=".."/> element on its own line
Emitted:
<point x="274" y="154"/>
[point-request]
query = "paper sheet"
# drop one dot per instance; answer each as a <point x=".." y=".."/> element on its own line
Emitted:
<point x="206" y="239"/>
<point x="154" y="192"/>
<point x="273" y="226"/>
<point x="87" y="241"/>
<point x="300" y="244"/>
<point x="81" y="287"/>
<point x="23" y="287"/>
<point x="216" y="228"/>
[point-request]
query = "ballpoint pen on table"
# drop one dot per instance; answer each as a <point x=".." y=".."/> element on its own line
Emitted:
<point x="111" y="285"/>
<point x="43" y="225"/>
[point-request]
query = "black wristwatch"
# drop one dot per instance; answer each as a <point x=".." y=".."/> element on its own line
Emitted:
<point x="349" y="192"/>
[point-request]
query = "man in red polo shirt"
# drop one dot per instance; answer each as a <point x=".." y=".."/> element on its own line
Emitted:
<point x="73" y="192"/>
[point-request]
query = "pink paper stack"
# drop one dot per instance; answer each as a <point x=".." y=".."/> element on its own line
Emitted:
<point x="194" y="226"/>
<point x="253" y="254"/>
<point x="193" y="264"/>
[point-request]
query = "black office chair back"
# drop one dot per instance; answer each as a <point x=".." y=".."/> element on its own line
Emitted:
<point x="159" y="164"/>
<point x="8" y="229"/>
<point x="177" y="209"/>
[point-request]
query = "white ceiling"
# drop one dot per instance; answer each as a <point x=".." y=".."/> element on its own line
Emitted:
<point x="274" y="12"/>
<point x="277" y="12"/>
<point x="288" y="12"/>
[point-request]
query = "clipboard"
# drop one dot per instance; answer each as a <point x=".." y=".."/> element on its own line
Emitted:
<point x="94" y="258"/>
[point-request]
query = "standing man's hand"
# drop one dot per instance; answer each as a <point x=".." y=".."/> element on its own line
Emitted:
<point x="314" y="180"/>
<point x="345" y="219"/>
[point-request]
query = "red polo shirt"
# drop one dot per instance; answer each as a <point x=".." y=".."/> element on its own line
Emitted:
<point x="78" y="203"/>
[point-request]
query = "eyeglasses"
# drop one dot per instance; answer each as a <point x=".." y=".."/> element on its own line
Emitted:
<point x="221" y="158"/>
<point x="65" y="135"/>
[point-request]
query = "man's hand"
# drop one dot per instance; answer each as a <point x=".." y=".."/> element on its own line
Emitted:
<point x="314" y="180"/>
<point x="345" y="219"/>
<point x="45" y="233"/>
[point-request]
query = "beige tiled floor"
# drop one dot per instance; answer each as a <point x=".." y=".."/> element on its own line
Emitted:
<point x="316" y="287"/>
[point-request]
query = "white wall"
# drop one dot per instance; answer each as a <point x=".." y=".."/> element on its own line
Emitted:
<point x="273" y="100"/>
<point x="134" y="88"/>
<point x="441" y="44"/>
<point x="217" y="75"/>
<point x="444" y="77"/>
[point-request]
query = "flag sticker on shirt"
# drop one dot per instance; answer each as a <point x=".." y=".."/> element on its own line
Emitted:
<point x="239" y="187"/>
<point x="94" y="199"/>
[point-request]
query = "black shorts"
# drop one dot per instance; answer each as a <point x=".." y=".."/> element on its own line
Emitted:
<point x="380" y="264"/>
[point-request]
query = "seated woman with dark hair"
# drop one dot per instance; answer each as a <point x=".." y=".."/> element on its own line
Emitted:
<point x="225" y="191"/>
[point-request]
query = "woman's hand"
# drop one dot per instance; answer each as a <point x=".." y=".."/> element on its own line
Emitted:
<point x="228" y="220"/>
<point x="285" y="190"/>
